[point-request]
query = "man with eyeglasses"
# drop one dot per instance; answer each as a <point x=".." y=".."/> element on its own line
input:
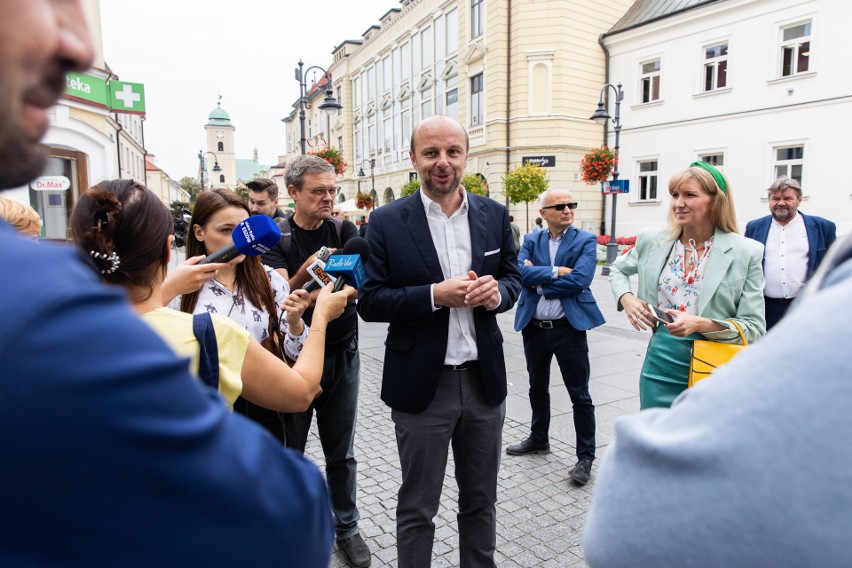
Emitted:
<point x="554" y="312"/>
<point x="312" y="184"/>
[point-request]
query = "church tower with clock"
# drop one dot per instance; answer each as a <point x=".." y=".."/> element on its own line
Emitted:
<point x="220" y="141"/>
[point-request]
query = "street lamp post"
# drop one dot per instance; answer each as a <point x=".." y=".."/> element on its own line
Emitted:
<point x="330" y="103"/>
<point x="203" y="166"/>
<point x="601" y="116"/>
<point x="372" y="162"/>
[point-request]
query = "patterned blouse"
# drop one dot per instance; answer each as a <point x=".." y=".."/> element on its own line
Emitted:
<point x="680" y="285"/>
<point x="217" y="299"/>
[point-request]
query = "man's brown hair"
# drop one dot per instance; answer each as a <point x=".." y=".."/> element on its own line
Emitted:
<point x="264" y="184"/>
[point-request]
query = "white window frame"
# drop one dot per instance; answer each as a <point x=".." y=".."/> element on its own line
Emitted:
<point x="788" y="164"/>
<point x="703" y="156"/>
<point x="713" y="64"/>
<point x="640" y="175"/>
<point x="477" y="100"/>
<point x="477" y="16"/>
<point x="795" y="46"/>
<point x="650" y="77"/>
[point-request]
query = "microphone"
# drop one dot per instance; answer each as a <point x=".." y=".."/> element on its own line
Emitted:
<point x="252" y="237"/>
<point x="348" y="266"/>
<point x="320" y="278"/>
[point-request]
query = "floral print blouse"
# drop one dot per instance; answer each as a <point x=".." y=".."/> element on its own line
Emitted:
<point x="680" y="285"/>
<point x="217" y="299"/>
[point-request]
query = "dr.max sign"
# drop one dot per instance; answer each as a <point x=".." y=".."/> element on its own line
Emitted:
<point x="51" y="183"/>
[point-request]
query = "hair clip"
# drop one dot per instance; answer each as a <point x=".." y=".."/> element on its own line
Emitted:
<point x="112" y="258"/>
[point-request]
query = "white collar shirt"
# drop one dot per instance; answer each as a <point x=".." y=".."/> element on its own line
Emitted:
<point x="451" y="237"/>
<point x="551" y="309"/>
<point x="785" y="264"/>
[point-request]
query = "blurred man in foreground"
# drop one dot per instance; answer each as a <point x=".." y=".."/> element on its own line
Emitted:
<point x="114" y="453"/>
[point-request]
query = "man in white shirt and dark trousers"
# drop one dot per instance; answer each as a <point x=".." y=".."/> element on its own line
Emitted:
<point x="795" y="244"/>
<point x="442" y="267"/>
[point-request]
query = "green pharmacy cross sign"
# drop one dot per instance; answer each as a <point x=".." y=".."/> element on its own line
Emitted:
<point x="127" y="97"/>
<point x="117" y="96"/>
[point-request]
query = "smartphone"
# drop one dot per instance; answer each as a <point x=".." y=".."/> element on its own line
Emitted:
<point x="659" y="314"/>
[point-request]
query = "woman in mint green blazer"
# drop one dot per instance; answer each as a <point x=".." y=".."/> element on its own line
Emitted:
<point x="700" y="271"/>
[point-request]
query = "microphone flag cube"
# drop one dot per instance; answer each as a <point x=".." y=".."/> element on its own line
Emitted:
<point x="349" y="266"/>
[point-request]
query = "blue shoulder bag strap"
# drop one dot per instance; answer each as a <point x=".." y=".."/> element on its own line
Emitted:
<point x="208" y="360"/>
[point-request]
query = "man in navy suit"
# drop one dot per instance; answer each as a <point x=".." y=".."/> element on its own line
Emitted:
<point x="442" y="267"/>
<point x="555" y="310"/>
<point x="794" y="245"/>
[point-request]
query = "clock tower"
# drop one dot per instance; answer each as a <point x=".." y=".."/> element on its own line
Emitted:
<point x="220" y="141"/>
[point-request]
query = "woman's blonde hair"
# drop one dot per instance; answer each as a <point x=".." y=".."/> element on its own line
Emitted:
<point x="722" y="213"/>
<point x="23" y="217"/>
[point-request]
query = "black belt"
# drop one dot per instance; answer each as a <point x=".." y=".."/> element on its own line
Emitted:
<point x="462" y="366"/>
<point x="779" y="300"/>
<point x="549" y="324"/>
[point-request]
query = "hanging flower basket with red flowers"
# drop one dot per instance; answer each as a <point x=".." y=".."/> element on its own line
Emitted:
<point x="596" y="166"/>
<point x="363" y="201"/>
<point x="333" y="157"/>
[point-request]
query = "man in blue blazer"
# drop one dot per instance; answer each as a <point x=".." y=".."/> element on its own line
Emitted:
<point x="794" y="245"/>
<point x="555" y="310"/>
<point x="442" y="267"/>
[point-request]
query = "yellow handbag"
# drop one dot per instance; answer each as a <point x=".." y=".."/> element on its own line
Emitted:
<point x="707" y="356"/>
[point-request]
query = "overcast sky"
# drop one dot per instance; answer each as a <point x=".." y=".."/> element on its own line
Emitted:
<point x="187" y="52"/>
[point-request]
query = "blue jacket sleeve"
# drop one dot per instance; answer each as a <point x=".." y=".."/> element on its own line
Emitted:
<point x="580" y="277"/>
<point x="378" y="299"/>
<point x="128" y="453"/>
<point x="508" y="279"/>
<point x="532" y="276"/>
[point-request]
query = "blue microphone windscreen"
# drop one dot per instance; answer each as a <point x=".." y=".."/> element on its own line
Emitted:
<point x="256" y="235"/>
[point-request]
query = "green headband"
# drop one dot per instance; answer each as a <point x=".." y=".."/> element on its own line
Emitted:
<point x="717" y="175"/>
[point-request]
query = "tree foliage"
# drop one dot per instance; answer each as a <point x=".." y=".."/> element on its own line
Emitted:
<point x="475" y="183"/>
<point x="191" y="186"/>
<point x="525" y="183"/>
<point x="241" y="190"/>
<point x="410" y="187"/>
<point x="177" y="207"/>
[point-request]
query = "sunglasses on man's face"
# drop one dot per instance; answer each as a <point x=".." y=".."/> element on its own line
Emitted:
<point x="562" y="206"/>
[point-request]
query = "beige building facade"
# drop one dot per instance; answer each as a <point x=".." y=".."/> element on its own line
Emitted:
<point x="522" y="76"/>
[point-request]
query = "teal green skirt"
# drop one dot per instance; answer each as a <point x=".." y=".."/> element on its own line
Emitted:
<point x="665" y="373"/>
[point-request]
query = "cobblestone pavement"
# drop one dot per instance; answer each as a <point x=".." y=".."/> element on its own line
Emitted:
<point x="540" y="512"/>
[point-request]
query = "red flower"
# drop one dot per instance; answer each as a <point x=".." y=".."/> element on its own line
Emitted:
<point x="596" y="165"/>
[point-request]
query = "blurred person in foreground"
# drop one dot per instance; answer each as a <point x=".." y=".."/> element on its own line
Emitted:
<point x="698" y="270"/>
<point x="115" y="452"/>
<point x="22" y="217"/>
<point x="750" y="468"/>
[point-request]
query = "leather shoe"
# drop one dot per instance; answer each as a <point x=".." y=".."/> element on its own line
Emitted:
<point x="356" y="551"/>
<point x="582" y="471"/>
<point x="528" y="447"/>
